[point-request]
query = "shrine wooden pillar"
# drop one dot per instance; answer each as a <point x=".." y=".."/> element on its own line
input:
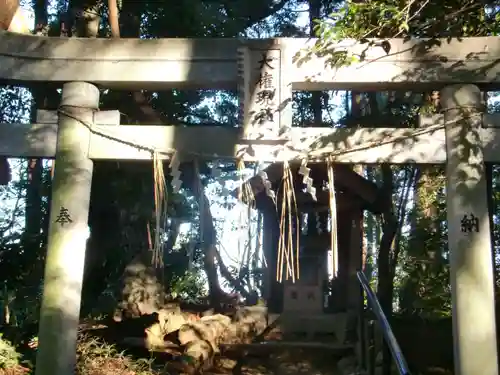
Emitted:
<point x="68" y="232"/>
<point x="355" y="260"/>
<point x="273" y="291"/>
<point x="469" y="234"/>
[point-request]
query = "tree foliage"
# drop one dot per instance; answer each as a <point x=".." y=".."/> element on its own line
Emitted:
<point x="419" y="253"/>
<point x="122" y="203"/>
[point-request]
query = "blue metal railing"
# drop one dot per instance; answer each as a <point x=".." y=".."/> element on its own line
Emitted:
<point x="389" y="337"/>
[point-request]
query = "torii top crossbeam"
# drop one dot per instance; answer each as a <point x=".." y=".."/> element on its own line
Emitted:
<point x="215" y="63"/>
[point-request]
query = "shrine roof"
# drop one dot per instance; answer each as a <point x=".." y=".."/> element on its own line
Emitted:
<point x="352" y="189"/>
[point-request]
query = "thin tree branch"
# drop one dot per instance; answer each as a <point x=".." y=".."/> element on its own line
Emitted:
<point x="114" y="23"/>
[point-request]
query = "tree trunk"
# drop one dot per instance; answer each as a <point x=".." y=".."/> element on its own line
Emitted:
<point x="12" y="17"/>
<point x="425" y="257"/>
<point x="317" y="110"/>
<point x="408" y="290"/>
<point x="389" y="229"/>
<point x="192" y="181"/>
<point x="34" y="189"/>
<point x="371" y="236"/>
<point x="385" y="277"/>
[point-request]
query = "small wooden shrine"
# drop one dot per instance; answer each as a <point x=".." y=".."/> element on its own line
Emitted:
<point x="327" y="282"/>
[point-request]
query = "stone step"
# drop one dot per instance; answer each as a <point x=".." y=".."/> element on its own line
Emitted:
<point x="269" y="345"/>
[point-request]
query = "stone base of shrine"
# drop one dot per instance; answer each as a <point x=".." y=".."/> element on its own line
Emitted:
<point x="331" y="328"/>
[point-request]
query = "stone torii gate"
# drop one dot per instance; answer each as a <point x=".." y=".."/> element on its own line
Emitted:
<point x="265" y="74"/>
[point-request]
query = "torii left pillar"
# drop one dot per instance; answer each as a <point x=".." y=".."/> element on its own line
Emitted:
<point x="68" y="232"/>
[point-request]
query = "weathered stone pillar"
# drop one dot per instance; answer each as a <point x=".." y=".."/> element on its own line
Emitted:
<point x="471" y="268"/>
<point x="68" y="232"/>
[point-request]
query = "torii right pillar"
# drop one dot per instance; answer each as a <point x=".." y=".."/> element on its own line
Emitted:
<point x="469" y="235"/>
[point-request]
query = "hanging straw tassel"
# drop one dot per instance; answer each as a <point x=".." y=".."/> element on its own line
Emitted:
<point x="286" y="255"/>
<point x="245" y="191"/>
<point x="160" y="200"/>
<point x="150" y="241"/>
<point x="333" y="217"/>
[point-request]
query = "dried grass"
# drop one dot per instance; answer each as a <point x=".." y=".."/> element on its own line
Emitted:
<point x="288" y="254"/>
